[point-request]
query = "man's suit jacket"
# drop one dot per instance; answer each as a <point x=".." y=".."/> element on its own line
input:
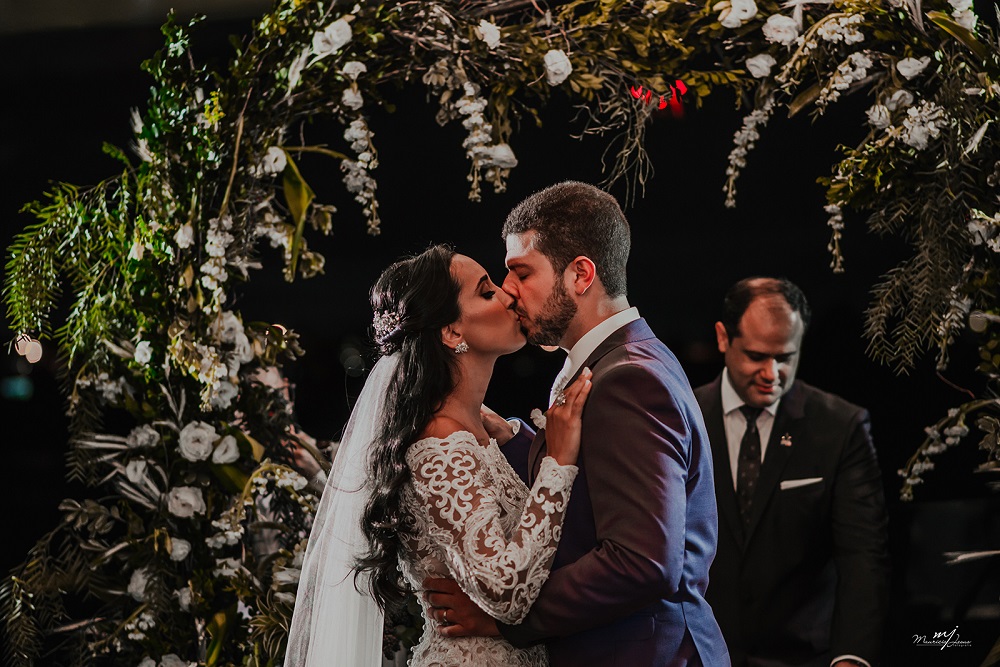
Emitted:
<point x="628" y="582"/>
<point x="807" y="581"/>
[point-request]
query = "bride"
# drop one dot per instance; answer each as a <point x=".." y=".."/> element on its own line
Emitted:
<point x="420" y="490"/>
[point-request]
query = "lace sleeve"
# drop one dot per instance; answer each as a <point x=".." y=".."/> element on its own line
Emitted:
<point x="460" y="509"/>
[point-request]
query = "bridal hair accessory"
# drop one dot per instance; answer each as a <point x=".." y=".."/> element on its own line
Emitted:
<point x="461" y="348"/>
<point x="386" y="323"/>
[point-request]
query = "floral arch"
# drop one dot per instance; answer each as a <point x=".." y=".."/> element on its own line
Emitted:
<point x="152" y="254"/>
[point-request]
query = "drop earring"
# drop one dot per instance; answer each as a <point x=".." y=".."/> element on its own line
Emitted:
<point x="461" y="347"/>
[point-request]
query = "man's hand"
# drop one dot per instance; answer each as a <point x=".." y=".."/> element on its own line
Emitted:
<point x="496" y="426"/>
<point x="455" y="613"/>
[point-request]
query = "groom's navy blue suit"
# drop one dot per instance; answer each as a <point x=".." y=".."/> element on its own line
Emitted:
<point x="628" y="583"/>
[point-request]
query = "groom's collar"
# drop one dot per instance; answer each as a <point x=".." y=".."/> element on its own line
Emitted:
<point x="593" y="338"/>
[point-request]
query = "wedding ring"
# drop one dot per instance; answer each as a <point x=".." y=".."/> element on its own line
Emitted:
<point x="445" y="617"/>
<point x="560" y="398"/>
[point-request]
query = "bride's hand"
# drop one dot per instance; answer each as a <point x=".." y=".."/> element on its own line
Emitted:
<point x="563" y="421"/>
<point x="495" y="425"/>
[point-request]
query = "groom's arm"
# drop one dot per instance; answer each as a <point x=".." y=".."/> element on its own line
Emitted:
<point x="635" y="455"/>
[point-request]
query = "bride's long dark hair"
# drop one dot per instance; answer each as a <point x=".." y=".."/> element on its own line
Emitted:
<point x="422" y="292"/>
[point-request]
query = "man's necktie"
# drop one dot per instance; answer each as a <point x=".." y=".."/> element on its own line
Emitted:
<point x="748" y="464"/>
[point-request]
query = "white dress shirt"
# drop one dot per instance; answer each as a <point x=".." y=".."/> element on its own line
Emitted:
<point x="587" y="344"/>
<point x="736" y="423"/>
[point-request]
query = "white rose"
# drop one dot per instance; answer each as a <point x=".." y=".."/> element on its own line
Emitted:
<point x="136" y="470"/>
<point x="224" y="393"/>
<point x="183" y="596"/>
<point x="781" y="29"/>
<point x="196" y="441"/>
<point x="878" y="116"/>
<point x="557" y="67"/>
<point x="760" y="65"/>
<point x="142" y="352"/>
<point x="227" y="451"/>
<point x="273" y="162"/>
<point x="332" y="38"/>
<point x="179" y="549"/>
<point x="184" y="238"/>
<point x="143" y="436"/>
<point x="147" y="662"/>
<point x="227" y="327"/>
<point x="137" y="584"/>
<point x="185" y="501"/>
<point x="173" y="660"/>
<point x="489" y="33"/>
<point x="910" y="67"/>
<point x="352" y="98"/>
<point x="739" y="11"/>
<point x="500" y="155"/>
<point x="899" y="99"/>
<point x="353" y="69"/>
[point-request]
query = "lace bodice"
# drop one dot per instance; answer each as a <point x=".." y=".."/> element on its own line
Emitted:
<point x="478" y="524"/>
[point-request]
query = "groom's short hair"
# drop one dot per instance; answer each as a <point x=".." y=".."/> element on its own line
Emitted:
<point x="572" y="219"/>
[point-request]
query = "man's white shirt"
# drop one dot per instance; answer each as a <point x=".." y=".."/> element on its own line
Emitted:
<point x="587" y="344"/>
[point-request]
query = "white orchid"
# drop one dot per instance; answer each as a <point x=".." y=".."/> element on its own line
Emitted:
<point x="179" y="549"/>
<point x="352" y="98"/>
<point x="557" y="67"/>
<point x="899" y="100"/>
<point x="878" y="116"/>
<point x="274" y="161"/>
<point x="135" y="470"/>
<point x="489" y="33"/>
<point x="183" y="596"/>
<point x="500" y="155"/>
<point x="137" y="584"/>
<point x="185" y="501"/>
<point x="353" y="69"/>
<point x="911" y="67"/>
<point x="184" y="238"/>
<point x="143" y="353"/>
<point x="296" y="67"/>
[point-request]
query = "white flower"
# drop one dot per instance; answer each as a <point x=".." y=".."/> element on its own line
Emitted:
<point x="781" y="29"/>
<point x="739" y="12"/>
<point x="922" y="124"/>
<point x="899" y="100"/>
<point x="967" y="19"/>
<point x="173" y="660"/>
<point x="878" y="116"/>
<point x="147" y="662"/>
<point x="332" y="38"/>
<point x="142" y="352"/>
<point x="244" y="349"/>
<point x="135" y="470"/>
<point x="223" y="394"/>
<point x="557" y="67"/>
<point x="296" y="67"/>
<point x="489" y="33"/>
<point x="227" y="451"/>
<point x="352" y="98"/>
<point x="227" y="327"/>
<point x="179" y="549"/>
<point x="137" y="584"/>
<point x="910" y="67"/>
<point x="499" y="155"/>
<point x="760" y="65"/>
<point x="286" y="576"/>
<point x="183" y="596"/>
<point x="196" y="440"/>
<point x="143" y="436"/>
<point x="227" y="567"/>
<point x="956" y="5"/>
<point x="185" y="501"/>
<point x="353" y="69"/>
<point x="273" y="162"/>
<point x="184" y="238"/>
<point x="538" y="418"/>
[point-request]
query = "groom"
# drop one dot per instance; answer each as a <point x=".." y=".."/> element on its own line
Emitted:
<point x="629" y="578"/>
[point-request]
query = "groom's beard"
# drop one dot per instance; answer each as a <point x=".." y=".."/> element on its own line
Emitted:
<point x="551" y="324"/>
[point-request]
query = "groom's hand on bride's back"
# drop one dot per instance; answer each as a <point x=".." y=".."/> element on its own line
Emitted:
<point x="455" y="613"/>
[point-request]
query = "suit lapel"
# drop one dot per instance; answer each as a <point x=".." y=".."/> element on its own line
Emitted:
<point x="633" y="331"/>
<point x="725" y="493"/>
<point x="787" y="421"/>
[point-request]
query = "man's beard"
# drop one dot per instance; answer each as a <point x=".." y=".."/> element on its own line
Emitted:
<point x="551" y="324"/>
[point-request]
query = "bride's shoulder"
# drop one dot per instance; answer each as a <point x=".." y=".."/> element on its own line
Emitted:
<point x="440" y="435"/>
<point x="442" y="427"/>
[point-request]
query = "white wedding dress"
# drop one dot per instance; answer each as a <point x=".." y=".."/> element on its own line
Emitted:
<point x="477" y="523"/>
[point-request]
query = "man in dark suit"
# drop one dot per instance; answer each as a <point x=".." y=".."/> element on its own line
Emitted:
<point x="627" y="586"/>
<point x="802" y="572"/>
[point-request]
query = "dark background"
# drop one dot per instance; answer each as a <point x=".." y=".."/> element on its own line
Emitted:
<point x="66" y="91"/>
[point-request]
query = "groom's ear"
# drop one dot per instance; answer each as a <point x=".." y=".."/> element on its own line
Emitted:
<point x="583" y="273"/>
<point x="450" y="336"/>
